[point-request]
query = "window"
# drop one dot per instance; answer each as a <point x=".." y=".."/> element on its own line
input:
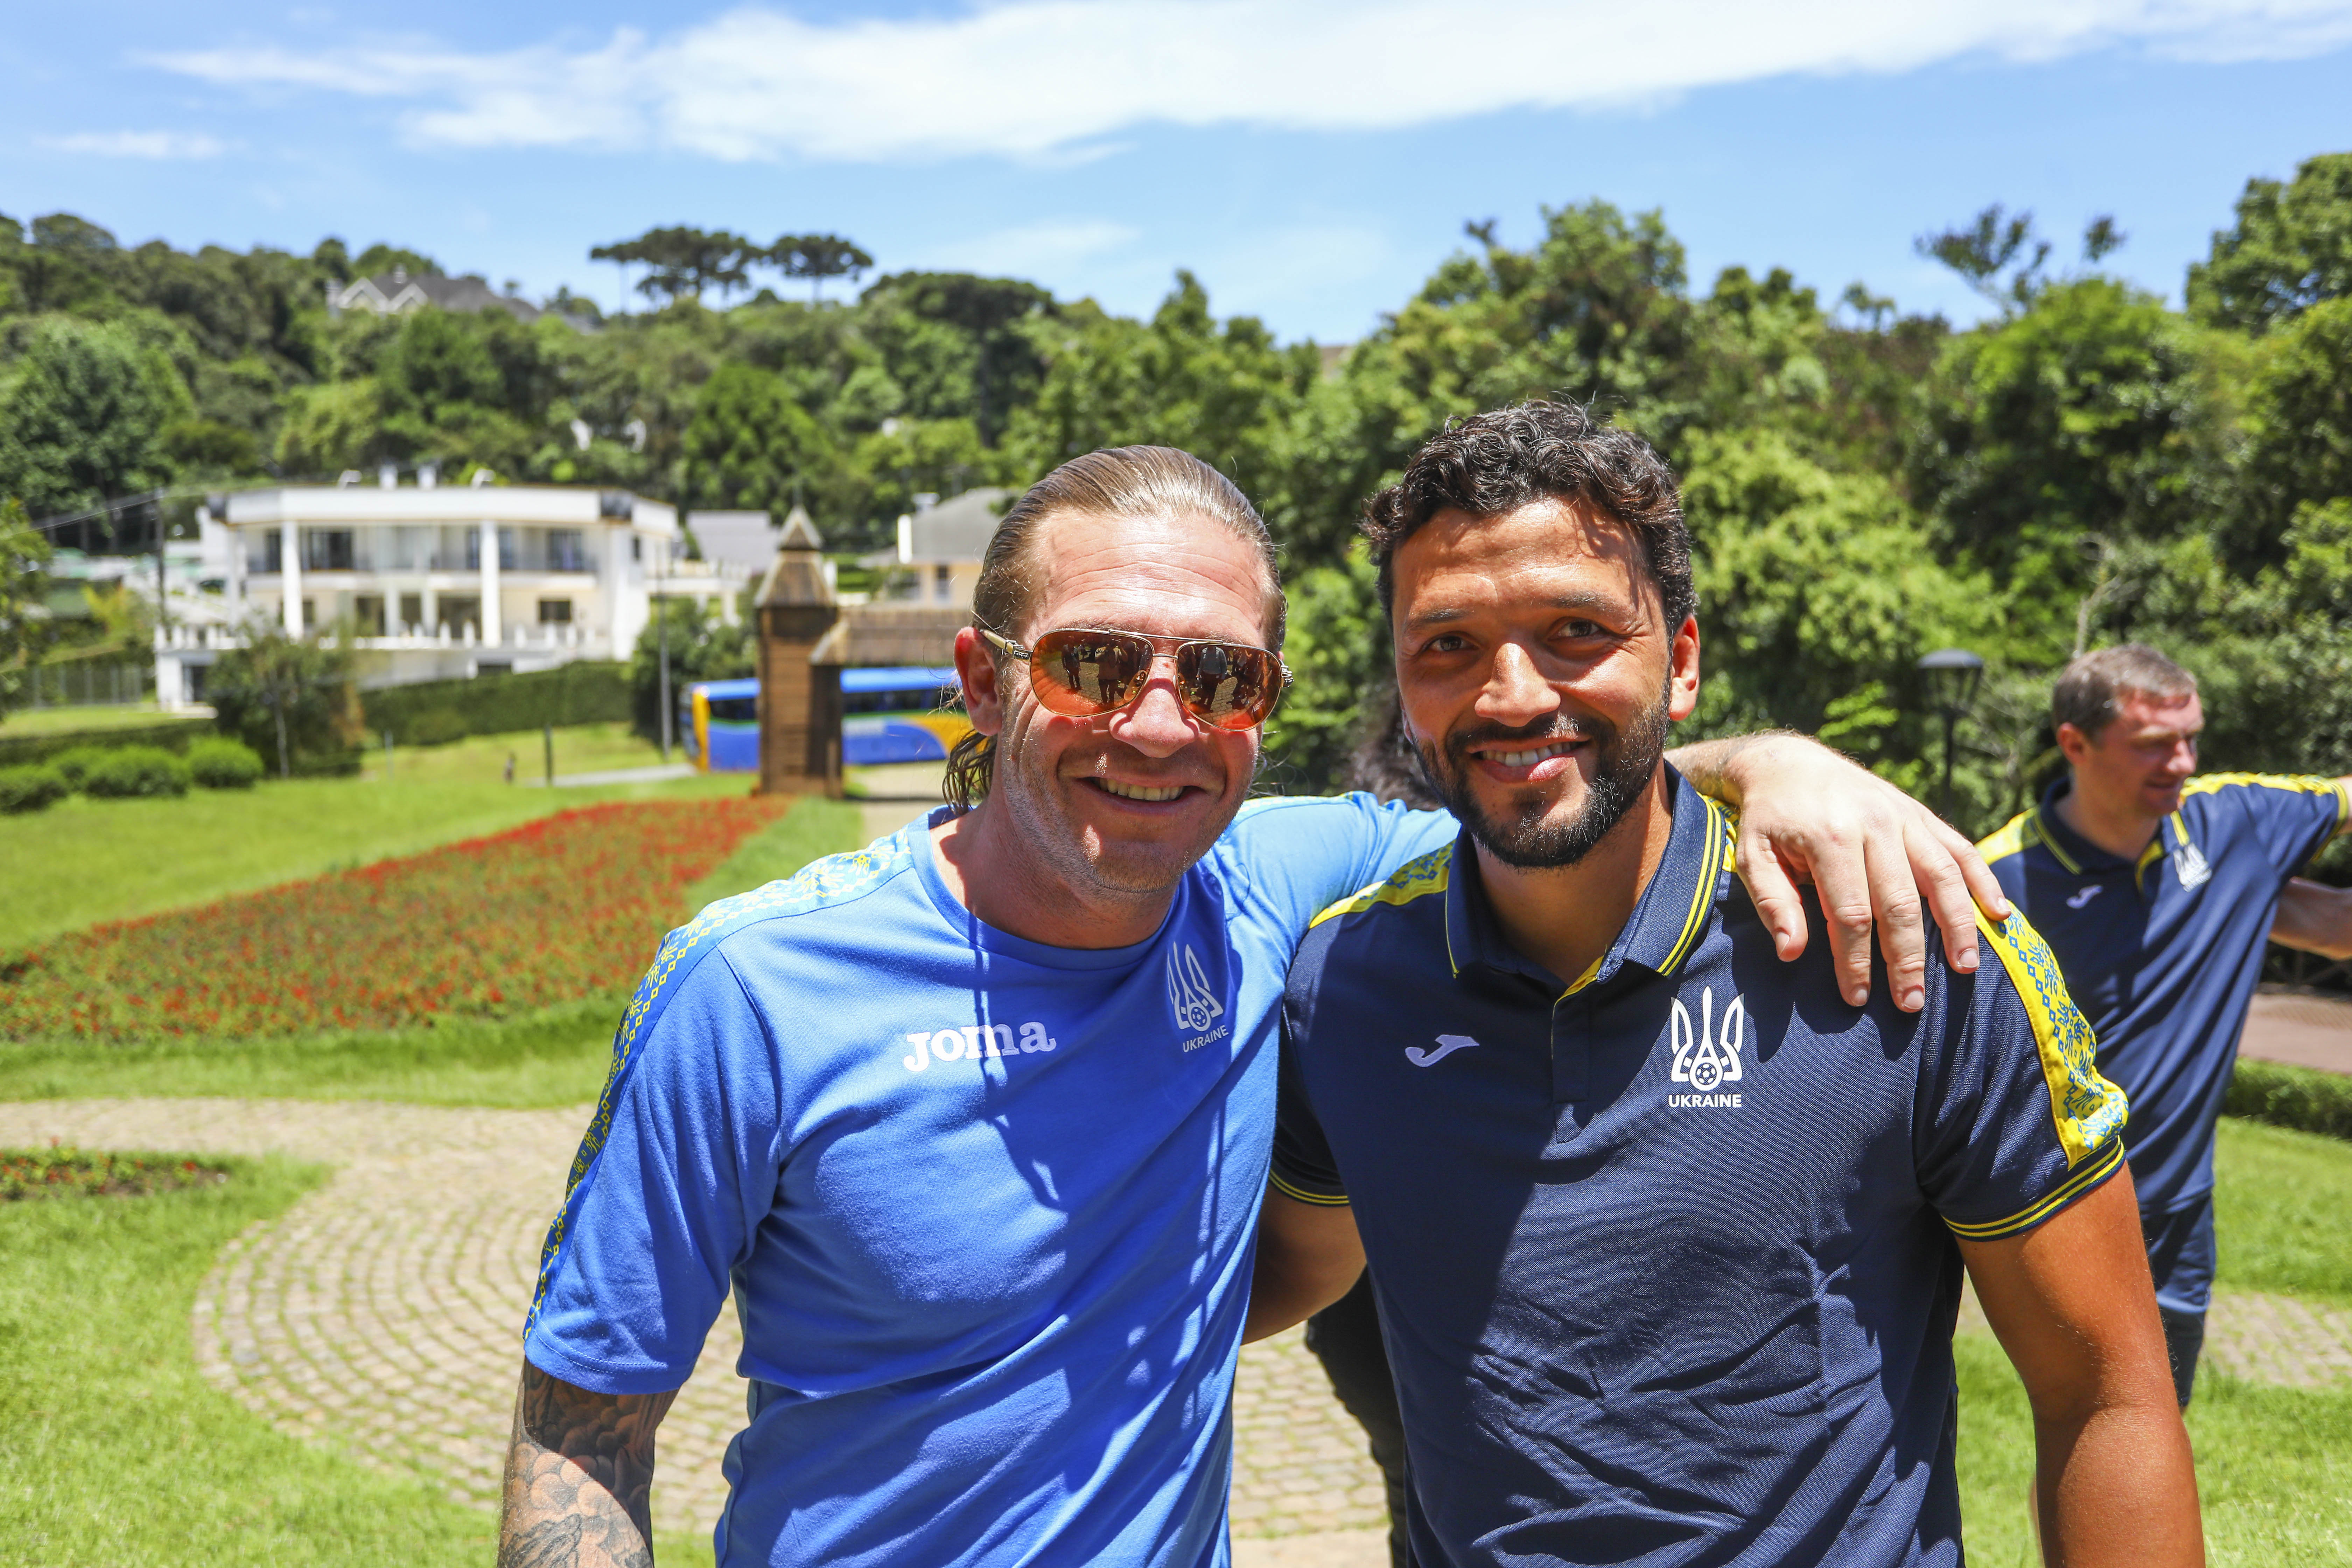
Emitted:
<point x="942" y="583"/>
<point x="459" y="611"/>
<point x="555" y="612"/>
<point x="265" y="552"/>
<point x="566" y="550"/>
<point x="327" y="550"/>
<point x="411" y="612"/>
<point x="310" y="618"/>
<point x="636" y="548"/>
<point x="507" y="558"/>
<point x="367" y="615"/>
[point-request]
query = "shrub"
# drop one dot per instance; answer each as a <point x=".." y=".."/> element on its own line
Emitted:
<point x="75" y="764"/>
<point x="30" y="788"/>
<point x="219" y="762"/>
<point x="2300" y="1098"/>
<point x="131" y="770"/>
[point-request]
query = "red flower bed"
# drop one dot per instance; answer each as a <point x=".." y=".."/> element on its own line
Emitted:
<point x="559" y="909"/>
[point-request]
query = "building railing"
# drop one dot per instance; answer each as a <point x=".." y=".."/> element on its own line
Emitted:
<point x="579" y="639"/>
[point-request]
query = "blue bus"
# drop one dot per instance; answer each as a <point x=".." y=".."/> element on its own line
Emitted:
<point x="896" y="714"/>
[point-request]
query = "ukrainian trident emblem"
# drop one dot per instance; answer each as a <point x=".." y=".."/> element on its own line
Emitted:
<point x="1708" y="1056"/>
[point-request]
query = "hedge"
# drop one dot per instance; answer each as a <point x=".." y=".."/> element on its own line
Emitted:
<point x="434" y="711"/>
<point x="30" y="788"/>
<point x="172" y="734"/>
<point x="128" y="772"/>
<point x="220" y="762"/>
<point x="2305" y="1098"/>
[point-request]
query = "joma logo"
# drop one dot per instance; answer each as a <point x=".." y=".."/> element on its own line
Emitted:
<point x="969" y="1042"/>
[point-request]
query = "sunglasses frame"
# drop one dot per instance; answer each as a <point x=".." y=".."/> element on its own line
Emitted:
<point x="1162" y="647"/>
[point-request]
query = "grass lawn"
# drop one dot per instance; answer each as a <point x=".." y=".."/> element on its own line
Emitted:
<point x="92" y="720"/>
<point x="482" y="759"/>
<point x="2274" y="1465"/>
<point x="556" y="1056"/>
<point x="83" y="861"/>
<point x="114" y="1450"/>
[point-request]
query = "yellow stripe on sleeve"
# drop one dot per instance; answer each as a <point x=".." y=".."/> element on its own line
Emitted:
<point x="2089" y="1111"/>
<point x="1320" y="1200"/>
<point x="2074" y="1186"/>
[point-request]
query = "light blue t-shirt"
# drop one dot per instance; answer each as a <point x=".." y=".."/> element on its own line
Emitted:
<point x="986" y="1206"/>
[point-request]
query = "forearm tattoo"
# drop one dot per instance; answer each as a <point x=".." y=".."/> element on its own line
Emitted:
<point x="580" y="1475"/>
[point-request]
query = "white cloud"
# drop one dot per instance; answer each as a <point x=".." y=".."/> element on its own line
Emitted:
<point x="137" y="145"/>
<point x="1042" y="78"/>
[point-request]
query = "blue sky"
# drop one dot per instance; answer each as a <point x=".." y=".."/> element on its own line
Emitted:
<point x="1311" y="160"/>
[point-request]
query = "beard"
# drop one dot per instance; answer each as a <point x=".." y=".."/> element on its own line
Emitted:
<point x="1624" y="763"/>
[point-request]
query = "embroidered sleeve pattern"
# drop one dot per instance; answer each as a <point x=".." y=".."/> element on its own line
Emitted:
<point x="2088" y="1111"/>
<point x="833" y="879"/>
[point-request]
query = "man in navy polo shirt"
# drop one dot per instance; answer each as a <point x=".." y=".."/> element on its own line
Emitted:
<point x="2157" y="889"/>
<point x="1667" y="1237"/>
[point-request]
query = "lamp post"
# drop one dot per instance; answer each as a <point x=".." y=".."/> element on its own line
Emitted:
<point x="1953" y="674"/>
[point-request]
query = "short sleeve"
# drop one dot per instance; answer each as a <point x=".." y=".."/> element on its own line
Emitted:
<point x="1303" y="1166"/>
<point x="678" y="1168"/>
<point x="2014" y="1122"/>
<point x="1300" y="856"/>
<point x="2291" y="815"/>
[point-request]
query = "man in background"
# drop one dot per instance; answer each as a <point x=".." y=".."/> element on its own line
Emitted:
<point x="2157" y="887"/>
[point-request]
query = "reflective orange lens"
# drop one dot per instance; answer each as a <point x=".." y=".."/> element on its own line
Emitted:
<point x="1081" y="673"/>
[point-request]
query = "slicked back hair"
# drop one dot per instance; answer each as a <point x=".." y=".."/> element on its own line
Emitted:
<point x="2090" y="691"/>
<point x="1117" y="481"/>
<point x="1499" y="462"/>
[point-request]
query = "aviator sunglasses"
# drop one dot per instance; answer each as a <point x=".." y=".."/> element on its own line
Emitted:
<point x="1080" y="673"/>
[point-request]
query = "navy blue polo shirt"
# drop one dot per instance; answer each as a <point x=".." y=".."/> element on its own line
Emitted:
<point x="2162" y="953"/>
<point x="1665" y="1255"/>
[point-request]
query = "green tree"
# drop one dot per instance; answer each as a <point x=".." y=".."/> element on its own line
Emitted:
<point x="23" y="585"/>
<point x="749" y="442"/>
<point x="2290" y="249"/>
<point x="817" y="257"/>
<point x="82" y="414"/>
<point x="702" y="646"/>
<point x="289" y="698"/>
<point x="2080" y="419"/>
<point x="2299" y="450"/>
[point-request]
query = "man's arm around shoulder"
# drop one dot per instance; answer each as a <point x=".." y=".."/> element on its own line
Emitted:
<point x="1308" y="1256"/>
<point x="2073" y="1305"/>
<point x="580" y="1475"/>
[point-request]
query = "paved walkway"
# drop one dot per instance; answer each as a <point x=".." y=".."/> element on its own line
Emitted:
<point x="381" y="1314"/>
<point x="2303" y="1030"/>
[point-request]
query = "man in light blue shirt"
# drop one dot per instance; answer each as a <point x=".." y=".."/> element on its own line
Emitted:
<point x="973" y="1126"/>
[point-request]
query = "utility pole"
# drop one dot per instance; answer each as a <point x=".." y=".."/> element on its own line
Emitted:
<point x="661" y="608"/>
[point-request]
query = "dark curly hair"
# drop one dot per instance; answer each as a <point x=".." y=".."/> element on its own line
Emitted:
<point x="1499" y="462"/>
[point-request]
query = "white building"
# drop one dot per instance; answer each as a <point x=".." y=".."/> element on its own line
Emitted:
<point x="940" y="547"/>
<point x="434" y="583"/>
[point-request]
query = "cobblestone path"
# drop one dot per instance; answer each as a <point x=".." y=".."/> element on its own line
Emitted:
<point x="383" y="1313"/>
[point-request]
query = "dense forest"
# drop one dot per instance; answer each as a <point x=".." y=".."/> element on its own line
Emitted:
<point x="2086" y="464"/>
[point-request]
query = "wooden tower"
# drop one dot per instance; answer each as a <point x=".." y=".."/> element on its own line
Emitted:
<point x="799" y="705"/>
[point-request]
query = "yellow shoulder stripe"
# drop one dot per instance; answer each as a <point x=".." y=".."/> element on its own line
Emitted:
<point x="2089" y="1111"/>
<point x="1721" y="834"/>
<point x="2010" y="838"/>
<point x="1320" y="1200"/>
<point x="2299" y="783"/>
<point x="1416" y="879"/>
<point x="2074" y="1186"/>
